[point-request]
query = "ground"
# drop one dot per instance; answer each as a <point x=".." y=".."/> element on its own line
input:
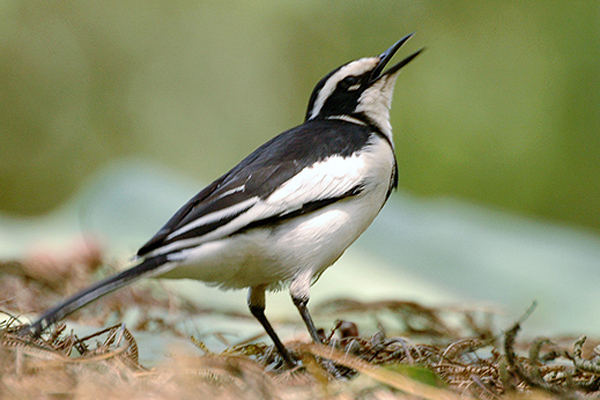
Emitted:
<point x="415" y="351"/>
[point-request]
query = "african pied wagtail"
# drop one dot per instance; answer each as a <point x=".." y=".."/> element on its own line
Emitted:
<point x="287" y="211"/>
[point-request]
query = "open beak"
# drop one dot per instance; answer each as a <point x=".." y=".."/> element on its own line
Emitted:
<point x="387" y="55"/>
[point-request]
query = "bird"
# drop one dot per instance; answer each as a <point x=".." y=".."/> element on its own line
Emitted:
<point x="288" y="210"/>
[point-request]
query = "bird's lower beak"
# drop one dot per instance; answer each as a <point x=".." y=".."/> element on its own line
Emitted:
<point x="387" y="55"/>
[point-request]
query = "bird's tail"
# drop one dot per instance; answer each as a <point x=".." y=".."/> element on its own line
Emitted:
<point x="149" y="267"/>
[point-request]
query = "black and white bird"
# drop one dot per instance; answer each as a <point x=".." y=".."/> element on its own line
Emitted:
<point x="287" y="211"/>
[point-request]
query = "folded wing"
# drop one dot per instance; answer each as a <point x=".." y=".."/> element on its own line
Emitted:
<point x="285" y="177"/>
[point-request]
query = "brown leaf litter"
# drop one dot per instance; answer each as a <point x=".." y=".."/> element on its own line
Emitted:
<point x="417" y="351"/>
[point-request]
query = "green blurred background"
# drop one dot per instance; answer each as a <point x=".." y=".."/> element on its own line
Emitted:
<point x="502" y="109"/>
<point x="112" y="114"/>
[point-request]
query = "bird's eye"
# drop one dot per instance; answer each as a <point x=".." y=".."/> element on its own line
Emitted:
<point x="350" y="83"/>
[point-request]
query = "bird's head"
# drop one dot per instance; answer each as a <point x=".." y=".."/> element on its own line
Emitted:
<point x="359" y="90"/>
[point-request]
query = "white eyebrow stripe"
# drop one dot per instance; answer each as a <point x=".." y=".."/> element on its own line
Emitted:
<point x="357" y="67"/>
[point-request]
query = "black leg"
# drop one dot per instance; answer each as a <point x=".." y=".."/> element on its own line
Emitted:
<point x="300" y="303"/>
<point x="256" y="303"/>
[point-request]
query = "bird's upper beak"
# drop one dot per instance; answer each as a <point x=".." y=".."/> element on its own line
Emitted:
<point x="387" y="55"/>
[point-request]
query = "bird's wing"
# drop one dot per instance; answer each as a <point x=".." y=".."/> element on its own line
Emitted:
<point x="285" y="177"/>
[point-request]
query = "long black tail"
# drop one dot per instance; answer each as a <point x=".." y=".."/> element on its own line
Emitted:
<point x="146" y="268"/>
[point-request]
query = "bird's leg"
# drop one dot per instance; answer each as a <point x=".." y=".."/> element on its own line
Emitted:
<point x="299" y="290"/>
<point x="310" y="325"/>
<point x="256" y="304"/>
